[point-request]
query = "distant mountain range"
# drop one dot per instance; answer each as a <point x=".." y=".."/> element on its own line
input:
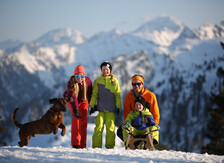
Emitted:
<point x="179" y="65"/>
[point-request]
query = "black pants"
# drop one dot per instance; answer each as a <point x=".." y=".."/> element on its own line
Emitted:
<point x="120" y="133"/>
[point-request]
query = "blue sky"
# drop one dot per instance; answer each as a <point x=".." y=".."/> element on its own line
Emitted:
<point x="27" y="20"/>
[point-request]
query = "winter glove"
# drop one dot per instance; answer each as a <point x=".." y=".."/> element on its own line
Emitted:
<point x="76" y="113"/>
<point x="117" y="111"/>
<point x="92" y="110"/>
<point x="127" y="125"/>
<point x="149" y="120"/>
<point x="158" y="127"/>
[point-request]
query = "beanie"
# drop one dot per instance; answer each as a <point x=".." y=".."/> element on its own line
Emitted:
<point x="108" y="64"/>
<point x="140" y="100"/>
<point x="79" y="69"/>
<point x="137" y="77"/>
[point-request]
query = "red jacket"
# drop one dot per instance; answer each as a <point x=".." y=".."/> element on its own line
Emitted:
<point x="149" y="97"/>
<point x="69" y="93"/>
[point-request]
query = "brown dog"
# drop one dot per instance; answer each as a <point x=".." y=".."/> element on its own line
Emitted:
<point x="49" y="123"/>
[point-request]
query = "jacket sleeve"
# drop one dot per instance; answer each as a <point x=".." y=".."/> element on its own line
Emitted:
<point x="68" y="92"/>
<point x="89" y="89"/>
<point x="127" y="109"/>
<point x="94" y="96"/>
<point x="117" y="95"/>
<point x="128" y="119"/>
<point x="154" y="109"/>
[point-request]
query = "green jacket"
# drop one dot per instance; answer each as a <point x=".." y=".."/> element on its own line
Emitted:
<point x="134" y="114"/>
<point x="106" y="94"/>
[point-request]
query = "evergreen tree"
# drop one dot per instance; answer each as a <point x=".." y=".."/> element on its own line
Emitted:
<point x="215" y="130"/>
<point x="2" y="129"/>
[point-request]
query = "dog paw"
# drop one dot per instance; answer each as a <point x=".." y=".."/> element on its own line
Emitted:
<point x="55" y="131"/>
<point x="63" y="133"/>
<point x="20" y="144"/>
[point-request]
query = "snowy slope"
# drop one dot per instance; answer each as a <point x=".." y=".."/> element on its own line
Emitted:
<point x="40" y="150"/>
<point x="60" y="36"/>
<point x="162" y="30"/>
<point x="14" y="154"/>
<point x="210" y="31"/>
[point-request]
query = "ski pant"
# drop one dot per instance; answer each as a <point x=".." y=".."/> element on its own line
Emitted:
<point x="136" y="132"/>
<point x="120" y="132"/>
<point x="79" y="125"/>
<point x="109" y="119"/>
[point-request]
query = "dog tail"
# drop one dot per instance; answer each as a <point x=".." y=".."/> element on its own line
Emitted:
<point x="14" y="118"/>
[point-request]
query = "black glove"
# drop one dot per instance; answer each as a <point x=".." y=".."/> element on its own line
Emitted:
<point x="92" y="110"/>
<point x="76" y="113"/>
<point x="117" y="111"/>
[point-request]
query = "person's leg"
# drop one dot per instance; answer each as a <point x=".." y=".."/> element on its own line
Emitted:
<point x="98" y="131"/>
<point x="120" y="132"/>
<point x="75" y="130"/>
<point x="83" y="108"/>
<point x="125" y="133"/>
<point x="110" y="128"/>
<point x="155" y="134"/>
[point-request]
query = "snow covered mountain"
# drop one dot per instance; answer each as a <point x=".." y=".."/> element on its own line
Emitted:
<point x="60" y="36"/>
<point x="179" y="65"/>
<point x="162" y="30"/>
<point x="209" y="31"/>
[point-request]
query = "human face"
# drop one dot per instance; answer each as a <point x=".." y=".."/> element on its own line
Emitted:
<point x="105" y="71"/>
<point x="138" y="106"/>
<point x="138" y="86"/>
<point x="80" y="77"/>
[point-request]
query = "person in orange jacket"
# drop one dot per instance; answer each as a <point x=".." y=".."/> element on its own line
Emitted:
<point x="78" y="92"/>
<point x="138" y="90"/>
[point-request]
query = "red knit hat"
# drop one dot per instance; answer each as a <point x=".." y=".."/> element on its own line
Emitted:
<point x="79" y="69"/>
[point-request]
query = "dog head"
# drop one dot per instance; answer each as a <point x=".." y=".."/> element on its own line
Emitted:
<point x="60" y="104"/>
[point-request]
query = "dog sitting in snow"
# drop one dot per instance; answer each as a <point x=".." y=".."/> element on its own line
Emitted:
<point x="49" y="123"/>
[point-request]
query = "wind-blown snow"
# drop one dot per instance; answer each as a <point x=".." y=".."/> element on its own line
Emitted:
<point x="46" y="148"/>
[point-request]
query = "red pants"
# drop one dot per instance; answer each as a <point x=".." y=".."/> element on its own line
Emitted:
<point x="79" y="125"/>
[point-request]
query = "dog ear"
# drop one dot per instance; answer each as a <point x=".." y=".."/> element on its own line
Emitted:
<point x="53" y="100"/>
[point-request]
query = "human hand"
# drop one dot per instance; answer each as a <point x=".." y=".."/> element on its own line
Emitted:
<point x="149" y="120"/>
<point x="76" y="113"/>
<point x="127" y="125"/>
<point x="117" y="111"/>
<point x="92" y="110"/>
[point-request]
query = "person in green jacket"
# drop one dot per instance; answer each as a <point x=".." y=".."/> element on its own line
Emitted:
<point x="105" y="99"/>
<point x="140" y="119"/>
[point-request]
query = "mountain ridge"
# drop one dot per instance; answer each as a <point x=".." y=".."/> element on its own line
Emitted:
<point x="183" y="67"/>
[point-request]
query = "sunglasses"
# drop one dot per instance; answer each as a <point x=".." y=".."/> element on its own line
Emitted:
<point x="134" y="84"/>
<point x="79" y="76"/>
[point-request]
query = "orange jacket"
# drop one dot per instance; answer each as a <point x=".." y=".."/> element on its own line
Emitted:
<point x="149" y="97"/>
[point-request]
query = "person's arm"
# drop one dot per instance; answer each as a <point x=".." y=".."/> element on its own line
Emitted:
<point x="154" y="109"/>
<point x="94" y="96"/>
<point x="117" y="95"/>
<point x="127" y="109"/>
<point x="89" y="88"/>
<point x="69" y="92"/>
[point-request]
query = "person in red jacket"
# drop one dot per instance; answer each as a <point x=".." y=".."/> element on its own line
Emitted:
<point x="138" y="90"/>
<point x="78" y="93"/>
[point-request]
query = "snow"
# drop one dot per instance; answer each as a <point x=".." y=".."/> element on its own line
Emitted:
<point x="44" y="148"/>
<point x="66" y="154"/>
<point x="155" y="30"/>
